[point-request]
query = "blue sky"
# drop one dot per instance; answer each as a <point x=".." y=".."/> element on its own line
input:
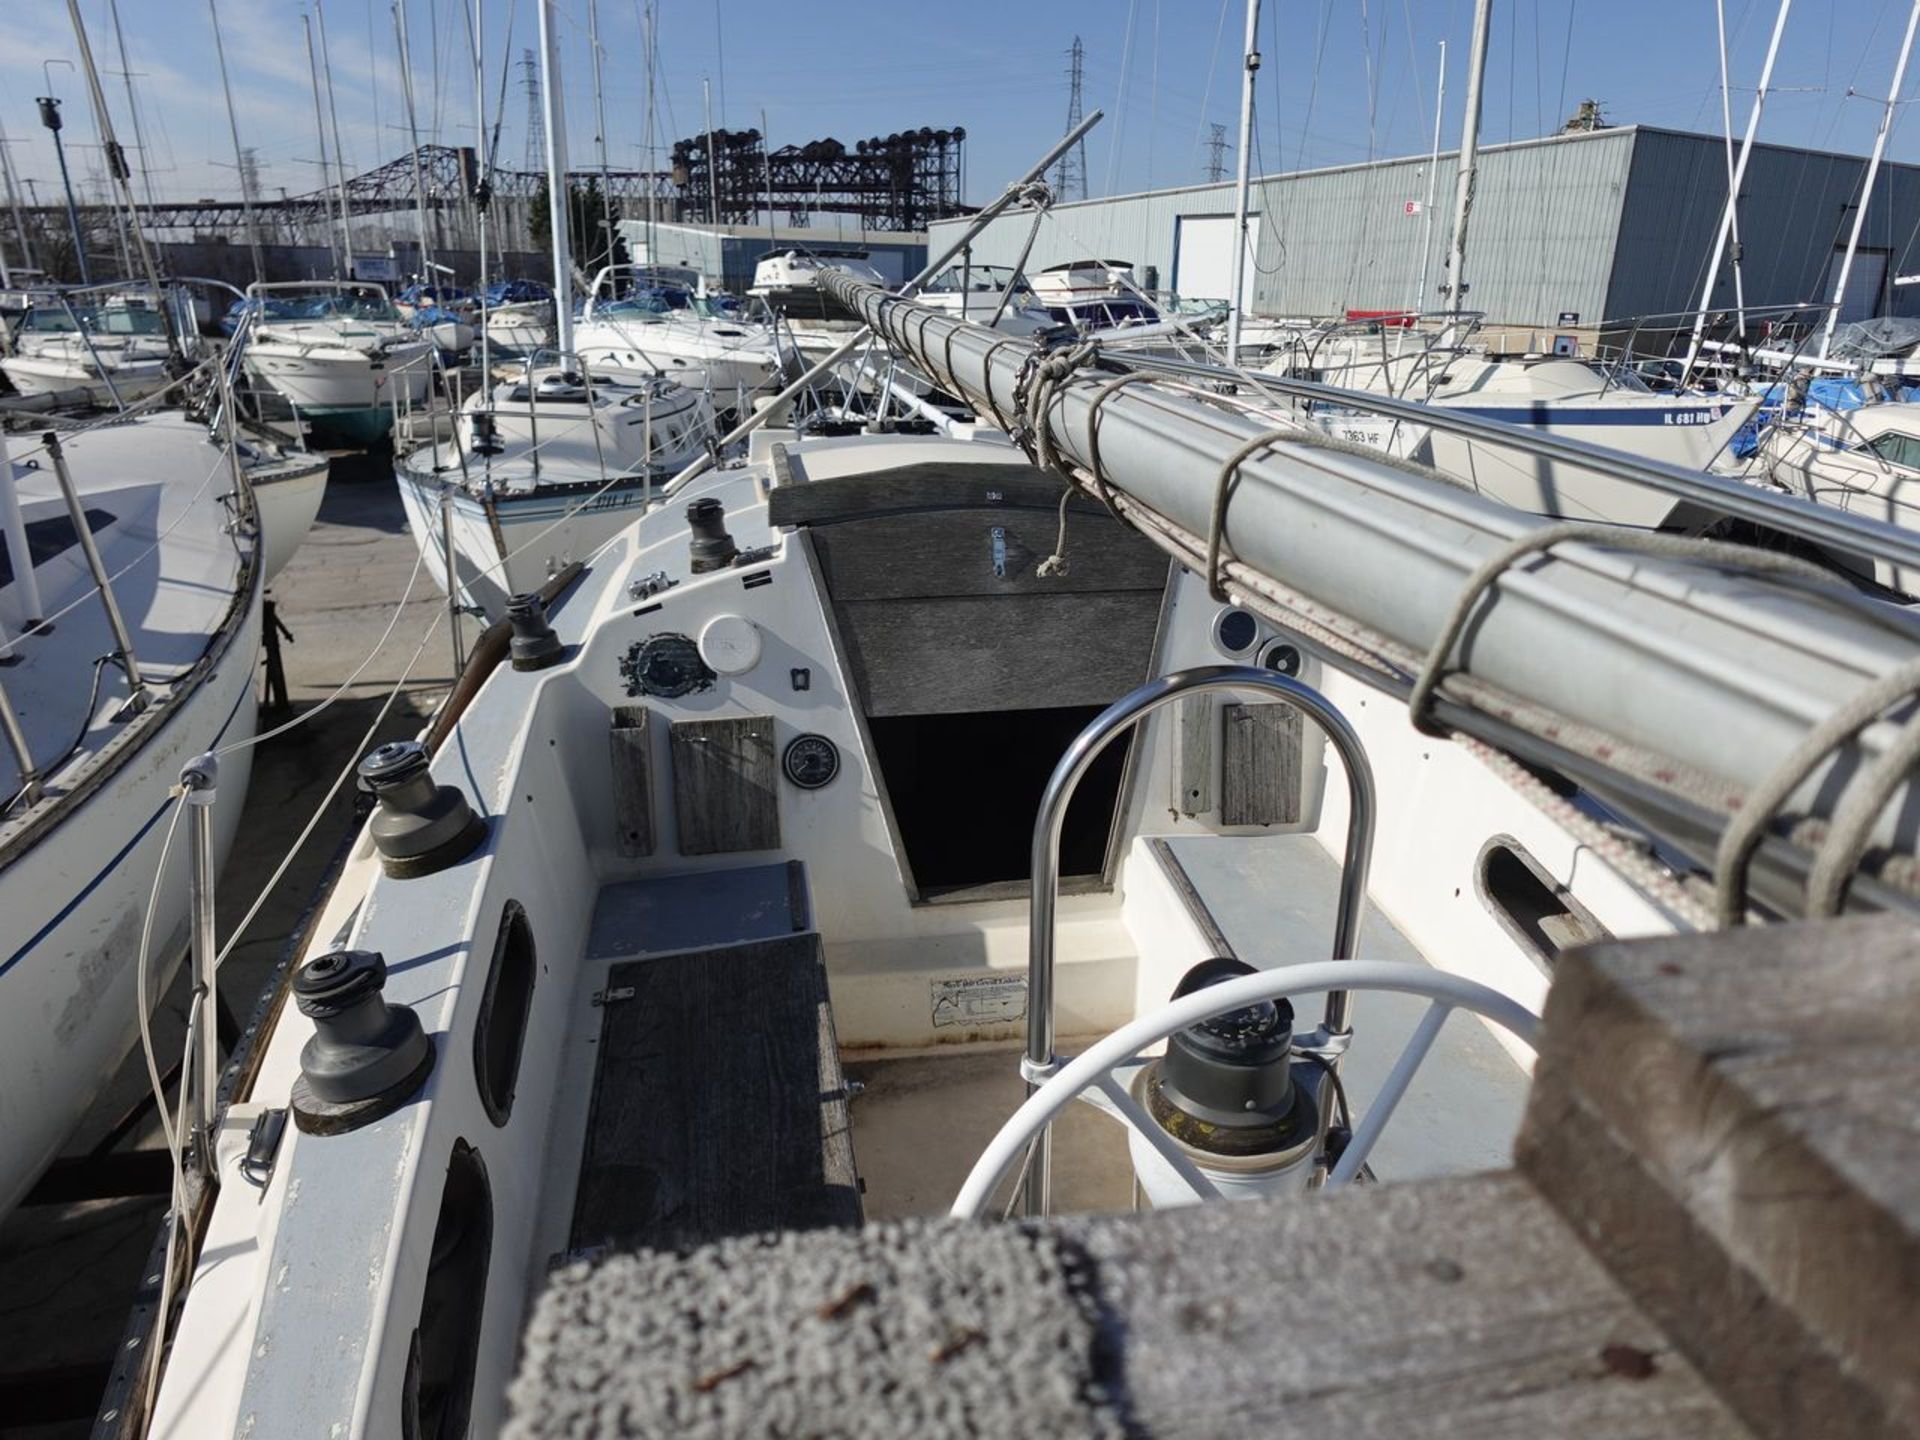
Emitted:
<point x="1343" y="78"/>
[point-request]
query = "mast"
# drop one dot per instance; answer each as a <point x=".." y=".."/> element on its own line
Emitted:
<point x="413" y="138"/>
<point x="600" y="123"/>
<point x="1733" y="190"/>
<point x="713" y="162"/>
<point x="320" y="130"/>
<point x="339" y="154"/>
<point x="1866" y="184"/>
<point x="483" y="187"/>
<point x="13" y="203"/>
<point x="653" y="166"/>
<point x="766" y="166"/>
<point x="1416" y="289"/>
<point x="117" y="167"/>
<point x="1454" y="285"/>
<point x="1251" y="71"/>
<point x="133" y="105"/>
<point x="559" y="197"/>
<point x="239" y="160"/>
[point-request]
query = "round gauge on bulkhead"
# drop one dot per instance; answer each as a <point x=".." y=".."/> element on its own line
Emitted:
<point x="810" y="761"/>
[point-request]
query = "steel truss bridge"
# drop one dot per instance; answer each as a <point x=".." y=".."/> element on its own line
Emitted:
<point x="894" y="183"/>
<point x="447" y="178"/>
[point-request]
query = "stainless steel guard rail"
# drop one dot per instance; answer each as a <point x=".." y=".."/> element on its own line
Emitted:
<point x="1040" y="1063"/>
<point x="1808" y="519"/>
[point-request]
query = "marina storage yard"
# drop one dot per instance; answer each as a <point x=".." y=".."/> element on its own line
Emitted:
<point x="1197" y="740"/>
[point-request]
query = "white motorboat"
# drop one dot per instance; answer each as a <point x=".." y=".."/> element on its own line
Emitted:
<point x="104" y="349"/>
<point x="523" y="457"/>
<point x="976" y="292"/>
<point x="83" y="828"/>
<point x="639" y="322"/>
<point x="1865" y="461"/>
<point x="781" y="788"/>
<point x="339" y="353"/>
<point x="788" y="281"/>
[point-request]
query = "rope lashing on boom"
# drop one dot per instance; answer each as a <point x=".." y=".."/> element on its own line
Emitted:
<point x="1096" y="473"/>
<point x="1307" y="438"/>
<point x="1851" y="827"/>
<point x="1762" y="804"/>
<point x="1042" y="373"/>
<point x="986" y="371"/>
<point x="1640" y="542"/>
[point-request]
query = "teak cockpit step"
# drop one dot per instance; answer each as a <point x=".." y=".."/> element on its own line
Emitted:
<point x="718" y="1105"/>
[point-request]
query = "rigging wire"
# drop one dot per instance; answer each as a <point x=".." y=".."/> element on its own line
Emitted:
<point x="1206" y="95"/>
<point x="1120" y="98"/>
<point x="1313" y="89"/>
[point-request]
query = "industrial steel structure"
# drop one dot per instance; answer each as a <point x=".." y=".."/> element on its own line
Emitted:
<point x="897" y="182"/>
<point x="902" y="181"/>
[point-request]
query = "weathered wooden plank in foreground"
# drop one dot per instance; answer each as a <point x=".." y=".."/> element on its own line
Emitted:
<point x="1734" y="1122"/>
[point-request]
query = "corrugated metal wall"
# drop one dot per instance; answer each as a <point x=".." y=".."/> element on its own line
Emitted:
<point x="1540" y="237"/>
<point x="1796" y="207"/>
<point x="1607" y="225"/>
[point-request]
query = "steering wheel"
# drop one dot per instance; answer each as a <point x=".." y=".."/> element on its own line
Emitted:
<point x="1094" y="1069"/>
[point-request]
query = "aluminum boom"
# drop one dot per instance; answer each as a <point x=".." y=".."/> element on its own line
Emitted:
<point x="1679" y="681"/>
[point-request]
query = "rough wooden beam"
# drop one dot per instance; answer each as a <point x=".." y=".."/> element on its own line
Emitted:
<point x="1733" y="1123"/>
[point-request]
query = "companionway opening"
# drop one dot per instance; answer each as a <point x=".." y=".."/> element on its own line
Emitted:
<point x="965" y="791"/>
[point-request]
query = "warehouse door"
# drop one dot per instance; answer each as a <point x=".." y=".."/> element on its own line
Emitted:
<point x="1203" y="257"/>
<point x="1866" y="283"/>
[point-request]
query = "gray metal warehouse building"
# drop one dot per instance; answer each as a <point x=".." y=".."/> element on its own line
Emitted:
<point x="1602" y="225"/>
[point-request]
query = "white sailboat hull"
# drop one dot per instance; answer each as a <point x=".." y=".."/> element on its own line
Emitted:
<point x="532" y="529"/>
<point x="75" y="902"/>
<point x="289" y="499"/>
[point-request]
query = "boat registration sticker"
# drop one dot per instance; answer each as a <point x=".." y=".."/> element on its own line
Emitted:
<point x="979" y="1000"/>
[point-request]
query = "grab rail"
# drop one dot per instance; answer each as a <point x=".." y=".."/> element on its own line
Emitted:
<point x="102" y="582"/>
<point x="1039" y="1063"/>
<point x="22" y="751"/>
<point x="1809" y="520"/>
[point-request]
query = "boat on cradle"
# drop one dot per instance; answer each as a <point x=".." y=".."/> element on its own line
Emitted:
<point x="518" y="318"/>
<point x="338" y="353"/>
<point x="1564" y="397"/>
<point x="758" y="807"/>
<point x="105" y="348"/>
<point x="543" y="470"/>
<point x="88" y="805"/>
<point x="640" y="322"/>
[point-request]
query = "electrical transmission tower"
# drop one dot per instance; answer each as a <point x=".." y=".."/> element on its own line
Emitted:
<point x="536" y="160"/>
<point x="1217" y="153"/>
<point x="250" y="174"/>
<point x="1070" y="175"/>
